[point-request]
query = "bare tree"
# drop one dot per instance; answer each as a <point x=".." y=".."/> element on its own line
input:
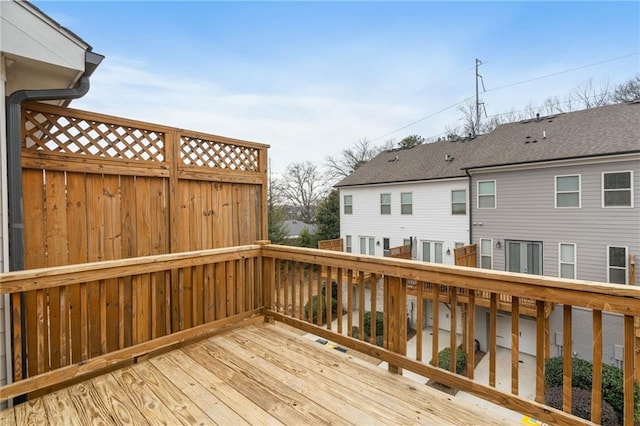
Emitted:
<point x="591" y="95"/>
<point x="350" y="159"/>
<point x="468" y="119"/>
<point x="628" y="91"/>
<point x="302" y="188"/>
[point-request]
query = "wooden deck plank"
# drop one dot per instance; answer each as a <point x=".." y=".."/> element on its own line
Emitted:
<point x="60" y="409"/>
<point x="90" y="407"/>
<point x="259" y="374"/>
<point x="326" y="392"/>
<point x="143" y="398"/>
<point x="349" y="394"/>
<point x="8" y="417"/>
<point x="31" y="413"/>
<point x="170" y="395"/>
<point x="216" y="409"/>
<point x="260" y="394"/>
<point x="235" y="400"/>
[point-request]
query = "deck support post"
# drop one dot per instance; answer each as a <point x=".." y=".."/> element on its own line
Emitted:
<point x="395" y="317"/>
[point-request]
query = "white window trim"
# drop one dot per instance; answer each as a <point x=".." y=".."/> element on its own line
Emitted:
<point x="344" y="204"/>
<point x="555" y="192"/>
<point x="480" y="250"/>
<point x="348" y="244"/>
<point x="432" y="244"/>
<point x="626" y="263"/>
<point x="495" y="194"/>
<point x="575" y="259"/>
<point x="466" y="202"/>
<point x="631" y="189"/>
<point x="389" y="194"/>
<point x="401" y="204"/>
<point x="367" y="242"/>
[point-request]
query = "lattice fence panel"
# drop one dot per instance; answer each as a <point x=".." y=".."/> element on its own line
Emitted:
<point x="75" y="135"/>
<point x="214" y="154"/>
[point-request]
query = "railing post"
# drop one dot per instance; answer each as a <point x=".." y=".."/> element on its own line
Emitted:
<point x="395" y="310"/>
<point x="264" y="276"/>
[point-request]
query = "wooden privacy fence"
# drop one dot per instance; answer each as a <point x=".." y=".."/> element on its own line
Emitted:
<point x="98" y="188"/>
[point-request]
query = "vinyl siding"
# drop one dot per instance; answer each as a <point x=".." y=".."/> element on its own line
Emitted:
<point x="525" y="210"/>
<point x="431" y="219"/>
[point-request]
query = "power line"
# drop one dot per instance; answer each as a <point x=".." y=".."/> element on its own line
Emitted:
<point x="504" y="87"/>
<point x="562" y="72"/>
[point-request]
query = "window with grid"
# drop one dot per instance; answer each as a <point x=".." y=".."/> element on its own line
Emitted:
<point x="487" y="194"/>
<point x="617" y="265"/>
<point x="459" y="201"/>
<point x="406" y="203"/>
<point x="567" y="261"/>
<point x="567" y="191"/>
<point x="385" y="203"/>
<point x="617" y="189"/>
<point x="348" y="204"/>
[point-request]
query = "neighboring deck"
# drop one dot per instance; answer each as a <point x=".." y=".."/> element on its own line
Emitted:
<point x="260" y="374"/>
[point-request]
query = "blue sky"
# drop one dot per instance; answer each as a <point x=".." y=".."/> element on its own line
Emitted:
<point x="313" y="78"/>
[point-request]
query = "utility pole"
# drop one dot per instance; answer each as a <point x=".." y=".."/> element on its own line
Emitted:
<point x="476" y="128"/>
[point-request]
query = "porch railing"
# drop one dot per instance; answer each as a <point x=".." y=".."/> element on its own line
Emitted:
<point x="85" y="318"/>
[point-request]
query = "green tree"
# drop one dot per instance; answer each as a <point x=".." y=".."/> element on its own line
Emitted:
<point x="277" y="228"/>
<point x="307" y="239"/>
<point x="328" y="216"/>
<point x="411" y="141"/>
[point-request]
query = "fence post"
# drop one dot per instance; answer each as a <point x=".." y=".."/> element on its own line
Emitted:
<point x="395" y="312"/>
<point x="264" y="277"/>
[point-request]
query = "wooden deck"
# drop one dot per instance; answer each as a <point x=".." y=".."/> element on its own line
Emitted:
<point x="261" y="374"/>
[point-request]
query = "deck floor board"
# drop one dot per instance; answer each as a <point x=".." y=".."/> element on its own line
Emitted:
<point x="260" y="374"/>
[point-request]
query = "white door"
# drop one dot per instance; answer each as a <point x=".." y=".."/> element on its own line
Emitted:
<point x="527" y="332"/>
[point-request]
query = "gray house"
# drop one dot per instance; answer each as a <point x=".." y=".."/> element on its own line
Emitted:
<point x="558" y="196"/>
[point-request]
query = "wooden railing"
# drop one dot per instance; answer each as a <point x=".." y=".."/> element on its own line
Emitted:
<point x="99" y="315"/>
<point x="95" y="315"/>
<point x="294" y="282"/>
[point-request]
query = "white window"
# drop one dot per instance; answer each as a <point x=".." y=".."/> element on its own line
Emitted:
<point x="487" y="194"/>
<point x="406" y="203"/>
<point x="348" y="204"/>
<point x="486" y="253"/>
<point x="567" y="191"/>
<point x="385" y="203"/>
<point x="432" y="251"/>
<point x="348" y="243"/>
<point x="368" y="243"/>
<point x="617" y="189"/>
<point x="567" y="260"/>
<point x="459" y="201"/>
<point x="617" y="265"/>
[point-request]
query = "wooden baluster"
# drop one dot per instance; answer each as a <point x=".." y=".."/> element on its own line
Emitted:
<point x="374" y="316"/>
<point x="349" y="301"/>
<point x="493" y="329"/>
<point x="328" y="294"/>
<point x="453" y="327"/>
<point x="567" y="373"/>
<point x="596" y="393"/>
<point x="471" y="327"/>
<point x="540" y="350"/>
<point x="515" y="343"/>
<point x="627" y="361"/>
<point x="435" y="345"/>
<point x="361" y="306"/>
<point x="419" y="315"/>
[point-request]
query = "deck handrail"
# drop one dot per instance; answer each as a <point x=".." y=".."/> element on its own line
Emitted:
<point x="206" y="289"/>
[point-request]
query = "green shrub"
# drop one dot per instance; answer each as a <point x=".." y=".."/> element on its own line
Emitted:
<point x="379" y="323"/>
<point x="581" y="405"/>
<point x="314" y="308"/>
<point x="582" y="371"/>
<point x="314" y="304"/>
<point x="367" y="328"/>
<point x="444" y="360"/>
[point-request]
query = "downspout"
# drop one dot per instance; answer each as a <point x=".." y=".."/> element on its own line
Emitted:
<point x="14" y="150"/>
<point x="14" y="164"/>
<point x="470" y="207"/>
